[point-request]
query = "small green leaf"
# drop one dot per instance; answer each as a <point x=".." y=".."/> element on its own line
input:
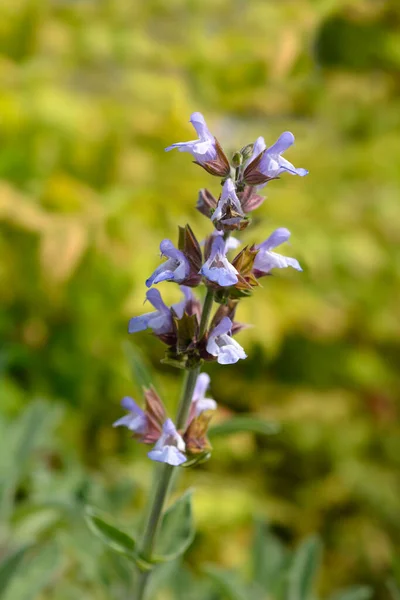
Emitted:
<point x="358" y="592"/>
<point x="38" y="573"/>
<point x="115" y="538"/>
<point x="269" y="559"/>
<point x="304" y="568"/>
<point x="177" y="530"/>
<point x="244" y="423"/>
<point x="140" y="373"/>
<point x="227" y="583"/>
<point x="8" y="566"/>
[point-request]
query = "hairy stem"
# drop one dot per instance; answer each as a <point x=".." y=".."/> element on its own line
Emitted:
<point x="163" y="474"/>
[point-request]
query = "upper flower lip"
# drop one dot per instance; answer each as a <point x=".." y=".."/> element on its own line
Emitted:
<point x="176" y="268"/>
<point x="203" y="149"/>
<point x="267" y="260"/>
<point x="267" y="163"/>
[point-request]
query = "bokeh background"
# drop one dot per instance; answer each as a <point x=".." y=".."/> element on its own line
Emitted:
<point x="91" y="93"/>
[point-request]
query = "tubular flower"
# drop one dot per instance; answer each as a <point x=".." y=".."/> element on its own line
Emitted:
<point x="169" y="447"/>
<point x="204" y="149"/>
<point x="267" y="260"/>
<point x="159" y="321"/>
<point x="199" y="402"/>
<point x="135" y="420"/>
<point x="217" y="267"/>
<point x="267" y="163"/>
<point x="176" y="268"/>
<point x="229" y="210"/>
<point x="223" y="346"/>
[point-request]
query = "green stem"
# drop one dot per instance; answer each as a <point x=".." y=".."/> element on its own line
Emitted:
<point x="205" y="315"/>
<point x="164" y="474"/>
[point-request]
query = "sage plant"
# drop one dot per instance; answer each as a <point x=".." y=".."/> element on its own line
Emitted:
<point x="195" y="333"/>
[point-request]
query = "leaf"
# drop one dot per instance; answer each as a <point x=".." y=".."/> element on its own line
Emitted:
<point x="114" y="538"/>
<point x="306" y="562"/>
<point x="177" y="530"/>
<point x="392" y="586"/>
<point x="9" y="566"/>
<point x="140" y="373"/>
<point x="357" y="592"/>
<point x="269" y="559"/>
<point x="244" y="423"/>
<point x="31" y="428"/>
<point x="227" y="584"/>
<point x="38" y="572"/>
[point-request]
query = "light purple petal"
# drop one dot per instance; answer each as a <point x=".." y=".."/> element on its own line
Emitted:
<point x="202" y="383"/>
<point x="265" y="261"/>
<point x="154" y="297"/>
<point x="129" y="404"/>
<point x="139" y="323"/>
<point x="231" y="244"/>
<point x="179" y="307"/>
<point x="205" y="404"/>
<point x="223" y="326"/>
<point x="228" y="356"/>
<point x="167" y="248"/>
<point x="285" y="165"/>
<point x="220" y="275"/>
<point x="277" y="237"/>
<point x="199" y="123"/>
<point x="169" y="428"/>
<point x="169" y="455"/>
<point x="282" y="143"/>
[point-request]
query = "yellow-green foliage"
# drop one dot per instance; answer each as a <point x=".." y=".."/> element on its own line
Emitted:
<point x="91" y="93"/>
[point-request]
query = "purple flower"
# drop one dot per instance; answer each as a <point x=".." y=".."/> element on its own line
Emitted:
<point x="223" y="346"/>
<point x="267" y="260"/>
<point x="135" y="420"/>
<point x="217" y="267"/>
<point x="169" y="447"/>
<point x="204" y="149"/>
<point x="160" y="320"/>
<point x="176" y="268"/>
<point x="272" y="164"/>
<point x="228" y="199"/>
<point x="199" y="402"/>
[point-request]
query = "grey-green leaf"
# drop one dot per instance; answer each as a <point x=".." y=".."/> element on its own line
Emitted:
<point x="227" y="583"/>
<point x="269" y="559"/>
<point x="177" y="530"/>
<point x="358" y="592"/>
<point x="244" y="423"/>
<point x="140" y="372"/>
<point x="39" y="571"/>
<point x="9" y="567"/>
<point x="112" y="536"/>
<point x="305" y="565"/>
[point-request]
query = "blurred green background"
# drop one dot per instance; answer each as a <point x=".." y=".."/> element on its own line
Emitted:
<point x="91" y="93"/>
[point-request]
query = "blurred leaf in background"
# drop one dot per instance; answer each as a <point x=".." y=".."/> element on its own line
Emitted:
<point x="91" y="93"/>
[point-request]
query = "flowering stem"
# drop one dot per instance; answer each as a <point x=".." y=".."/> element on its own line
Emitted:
<point x="205" y="315"/>
<point x="164" y="474"/>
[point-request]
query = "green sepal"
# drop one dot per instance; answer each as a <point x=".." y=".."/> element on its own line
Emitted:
<point x="186" y="328"/>
<point x="117" y="540"/>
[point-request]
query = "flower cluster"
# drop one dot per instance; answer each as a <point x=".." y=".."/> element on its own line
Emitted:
<point x="183" y="327"/>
